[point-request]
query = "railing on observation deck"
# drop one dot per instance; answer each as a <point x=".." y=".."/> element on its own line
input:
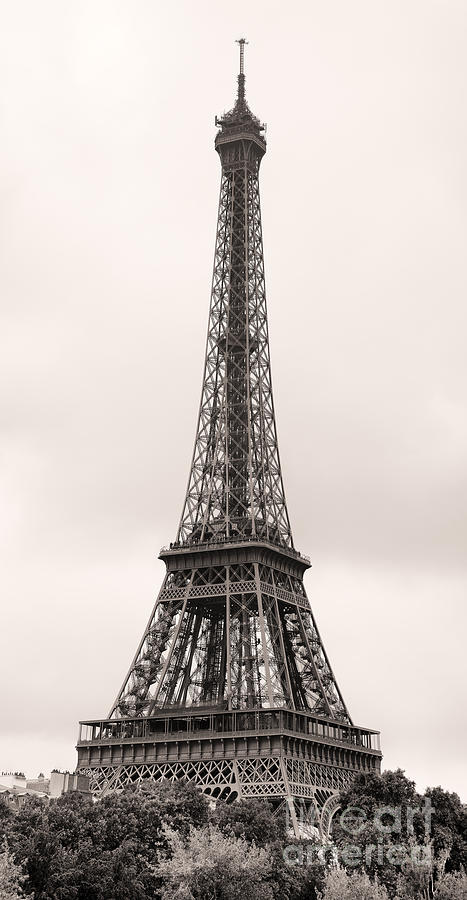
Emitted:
<point x="215" y="543"/>
<point x="244" y="128"/>
<point x="180" y="725"/>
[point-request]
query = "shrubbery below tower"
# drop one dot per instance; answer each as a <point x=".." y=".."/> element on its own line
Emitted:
<point x="230" y="686"/>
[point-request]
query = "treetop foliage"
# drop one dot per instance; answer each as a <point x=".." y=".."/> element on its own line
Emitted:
<point x="167" y="840"/>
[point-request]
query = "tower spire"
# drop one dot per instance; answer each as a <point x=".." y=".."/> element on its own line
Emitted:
<point x="241" y="113"/>
<point x="241" y="75"/>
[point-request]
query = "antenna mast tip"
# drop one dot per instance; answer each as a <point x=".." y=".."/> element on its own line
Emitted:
<point x="242" y="42"/>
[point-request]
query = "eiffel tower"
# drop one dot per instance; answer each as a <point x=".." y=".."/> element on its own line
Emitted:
<point x="231" y="687"/>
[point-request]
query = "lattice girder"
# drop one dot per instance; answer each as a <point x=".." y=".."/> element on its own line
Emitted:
<point x="235" y="487"/>
<point x="309" y="791"/>
<point x="234" y="636"/>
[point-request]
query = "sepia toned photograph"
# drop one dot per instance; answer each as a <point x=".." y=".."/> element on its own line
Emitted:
<point x="233" y="407"/>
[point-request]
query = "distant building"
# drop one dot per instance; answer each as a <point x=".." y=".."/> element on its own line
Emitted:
<point x="15" y="788"/>
<point x="40" y="784"/>
<point x="65" y="783"/>
<point x="13" y="780"/>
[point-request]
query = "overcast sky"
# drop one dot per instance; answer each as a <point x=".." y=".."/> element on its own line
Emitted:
<point x="109" y="189"/>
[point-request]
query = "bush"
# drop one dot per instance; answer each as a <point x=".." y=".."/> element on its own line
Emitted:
<point x="357" y="886"/>
<point x="209" y="864"/>
<point x="452" y="886"/>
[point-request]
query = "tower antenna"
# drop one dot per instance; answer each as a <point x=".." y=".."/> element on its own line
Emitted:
<point x="242" y="42"/>
<point x="241" y="76"/>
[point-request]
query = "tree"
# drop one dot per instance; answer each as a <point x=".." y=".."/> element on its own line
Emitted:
<point x="338" y="885"/>
<point x="252" y="820"/>
<point x="381" y="827"/>
<point x="449" y="827"/>
<point x="299" y="880"/>
<point x="138" y="814"/>
<point x="74" y="849"/>
<point x="415" y="882"/>
<point x="452" y="886"/>
<point x="11" y="876"/>
<point x="6" y="816"/>
<point x="255" y="822"/>
<point x="210" y="864"/>
<point x="164" y="838"/>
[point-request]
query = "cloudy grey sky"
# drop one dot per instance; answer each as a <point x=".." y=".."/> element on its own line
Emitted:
<point x="109" y="185"/>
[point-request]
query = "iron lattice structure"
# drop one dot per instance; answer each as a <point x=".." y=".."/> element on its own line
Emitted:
<point x="231" y="686"/>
